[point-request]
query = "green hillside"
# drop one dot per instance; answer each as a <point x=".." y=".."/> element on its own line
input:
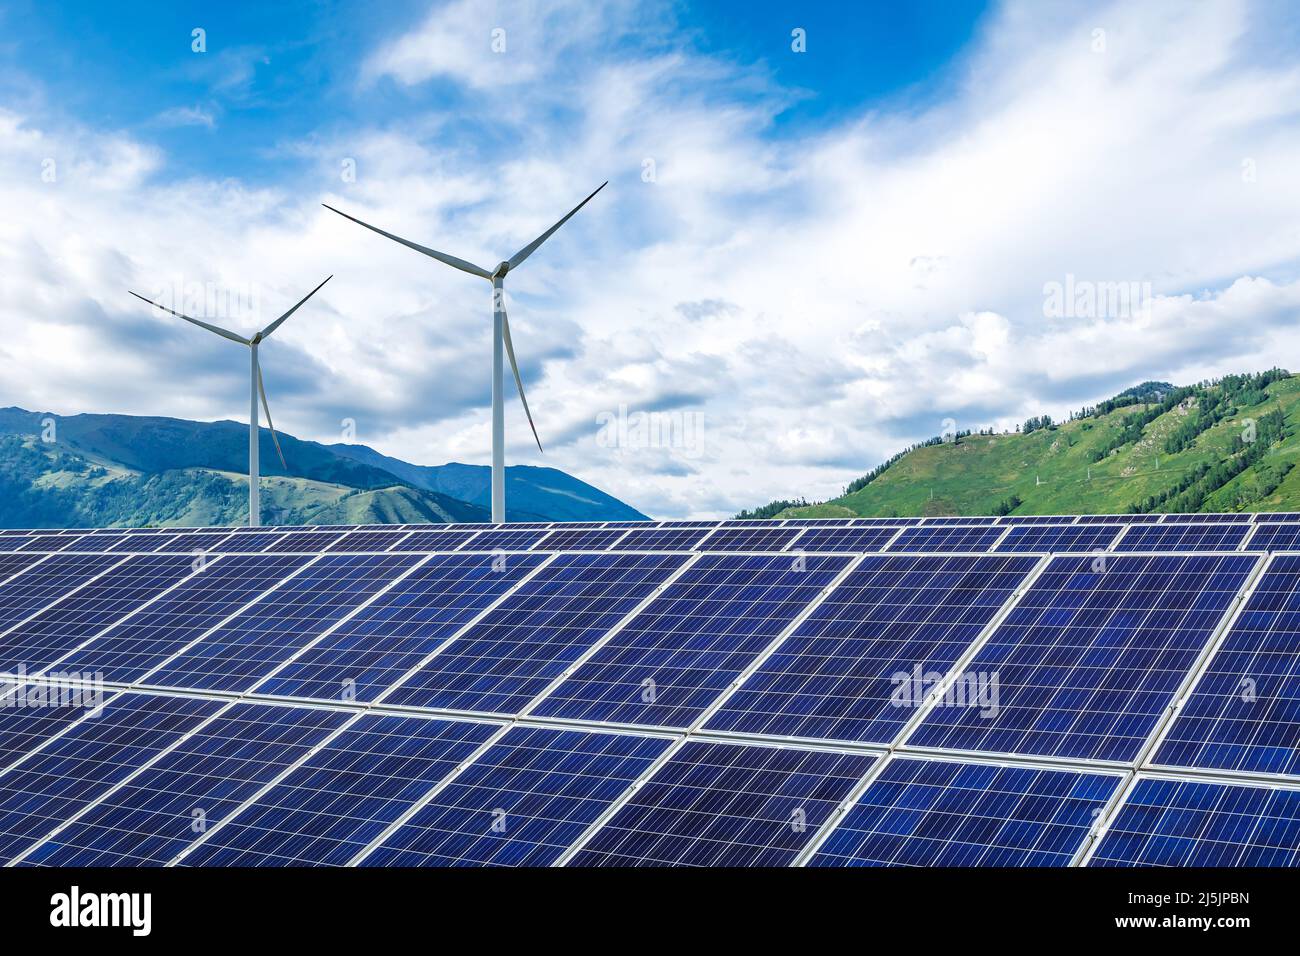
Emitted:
<point x="1229" y="445"/>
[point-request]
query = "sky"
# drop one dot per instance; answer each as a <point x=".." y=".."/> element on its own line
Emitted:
<point x="830" y="230"/>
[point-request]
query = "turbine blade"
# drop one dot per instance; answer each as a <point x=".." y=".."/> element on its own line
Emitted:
<point x="266" y="332"/>
<point x="266" y="407"/>
<point x="517" y="259"/>
<point x="519" y="382"/>
<point x="224" y="333"/>
<point x="452" y="261"/>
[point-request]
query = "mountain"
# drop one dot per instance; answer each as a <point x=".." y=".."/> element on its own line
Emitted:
<point x="1226" y="445"/>
<point x="124" y="471"/>
<point x="543" y="491"/>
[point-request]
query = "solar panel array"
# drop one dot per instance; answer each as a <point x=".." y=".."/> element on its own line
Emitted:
<point x="1014" y="691"/>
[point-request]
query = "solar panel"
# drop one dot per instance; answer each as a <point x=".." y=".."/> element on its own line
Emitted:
<point x="1089" y="657"/>
<point x="858" y="539"/>
<point x="522" y="802"/>
<point x="194" y="786"/>
<point x="372" y="650"/>
<point x="510" y="656"/>
<point x="943" y="539"/>
<point x="1244" y="711"/>
<point x="579" y="540"/>
<point x="48" y="581"/>
<point x="91" y="756"/>
<point x="31" y="714"/>
<point x="1265" y="517"/>
<point x="139" y="645"/>
<point x="333" y="805"/>
<point x="1279" y="536"/>
<point x="357" y="541"/>
<point x="309" y="542"/>
<point x="249" y="542"/>
<point x="63" y="627"/>
<point x="499" y="539"/>
<point x="922" y="812"/>
<point x="250" y="646"/>
<point x="729" y="538"/>
<point x="672" y="660"/>
<point x="1184" y="537"/>
<point x="192" y="543"/>
<point x="436" y="540"/>
<point x="1242" y="517"/>
<point x="660" y="539"/>
<point x="717" y="804"/>
<point x="1037" y="519"/>
<point x="854" y="669"/>
<point x="1167" y="822"/>
<point x="1060" y="539"/>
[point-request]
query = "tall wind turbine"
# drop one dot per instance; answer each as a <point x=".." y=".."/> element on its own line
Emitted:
<point x="257" y="389"/>
<point x="500" y="338"/>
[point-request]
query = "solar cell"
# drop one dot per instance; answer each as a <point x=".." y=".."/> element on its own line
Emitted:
<point x="579" y="540"/>
<point x="305" y="542"/>
<point x="77" y="768"/>
<point x="716" y="804"/>
<point x="659" y="539"/>
<point x="1242" y="517"/>
<point x="1090" y="656"/>
<point x="1265" y="517"/>
<point x="192" y="543"/>
<point x="512" y="654"/>
<point x="47" y="636"/>
<point x="1060" y="539"/>
<point x="923" y="812"/>
<point x="522" y="802"/>
<point x="30" y="714"/>
<point x="1038" y="519"/>
<point x="672" y="660"/>
<point x="1244" y="711"/>
<point x="49" y="581"/>
<point x="858" y="539"/>
<point x="1190" y="823"/>
<point x="499" y="539"/>
<point x="1184" y="537"/>
<point x="239" y="653"/>
<point x="358" y="541"/>
<point x="372" y="650"/>
<point x="859" y="665"/>
<point x="1275" y="537"/>
<point x="11" y="564"/>
<point x="135" y="647"/>
<point x="345" y="796"/>
<point x="940" y="539"/>
<point x="435" y="540"/>
<point x="196" y="785"/>
<point x="730" y="538"/>
<point x="48" y="542"/>
<point x="135" y="543"/>
<point x="249" y="542"/>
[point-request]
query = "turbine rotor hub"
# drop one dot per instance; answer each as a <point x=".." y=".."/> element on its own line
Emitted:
<point x="501" y="270"/>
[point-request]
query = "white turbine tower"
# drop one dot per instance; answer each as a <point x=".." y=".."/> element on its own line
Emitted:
<point x="257" y="389"/>
<point x="500" y="339"/>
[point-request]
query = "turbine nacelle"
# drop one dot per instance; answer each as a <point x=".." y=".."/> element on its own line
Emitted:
<point x="500" y="271"/>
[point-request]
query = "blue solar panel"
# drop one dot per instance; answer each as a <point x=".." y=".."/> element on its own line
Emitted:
<point x="191" y="543"/>
<point x="840" y="674"/>
<point x="1039" y="519"/>
<point x="1244" y="712"/>
<point x="586" y="539"/>
<point x="80" y="766"/>
<point x="1184" y="537"/>
<point x="358" y="541"/>
<point x="304" y="542"/>
<point x="1088" y="659"/>
<point x="11" y="564"/>
<point x="31" y="714"/>
<point x="191" y="788"/>
<point x="434" y="540"/>
<point x="944" y="539"/>
<point x="328" y="809"/>
<point x="499" y="539"/>
<point x="714" y="804"/>
<point x="1275" y="537"/>
<point x="855" y="538"/>
<point x="660" y="539"/>
<point x="522" y="802"/>
<point x="1186" y="823"/>
<point x="249" y="542"/>
<point x="948" y="813"/>
<point x="372" y="650"/>
<point x="1265" y="517"/>
<point x="509" y="657"/>
<point x="130" y="650"/>
<point x="731" y="538"/>
<point x="1239" y="517"/>
<point x="41" y="640"/>
<point x="44" y="583"/>
<point x="241" y="652"/>
<point x="1060" y="539"/>
<point x="671" y="661"/>
<point x="49" y="542"/>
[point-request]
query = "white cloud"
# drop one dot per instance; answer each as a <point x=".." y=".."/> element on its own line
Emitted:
<point x="819" y="302"/>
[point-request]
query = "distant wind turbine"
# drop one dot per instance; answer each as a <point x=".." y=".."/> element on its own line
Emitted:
<point x="257" y="389"/>
<point x="500" y="338"/>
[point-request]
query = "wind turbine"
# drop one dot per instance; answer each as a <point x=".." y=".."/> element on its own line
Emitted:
<point x="500" y="338"/>
<point x="257" y="389"/>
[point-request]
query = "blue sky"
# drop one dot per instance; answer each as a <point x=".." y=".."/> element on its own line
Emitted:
<point x="815" y="257"/>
